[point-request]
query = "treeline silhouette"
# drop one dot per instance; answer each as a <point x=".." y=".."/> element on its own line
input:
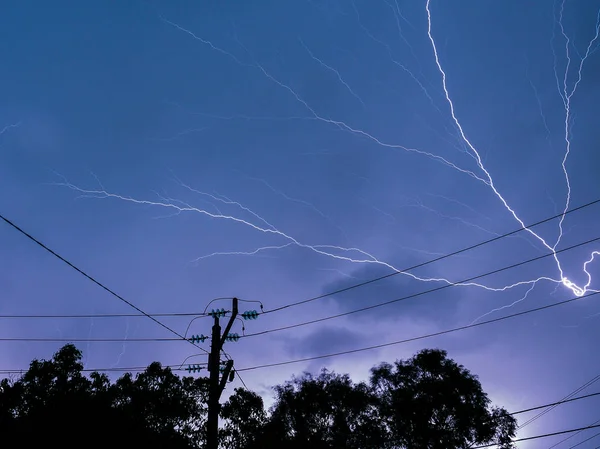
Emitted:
<point x="425" y="402"/>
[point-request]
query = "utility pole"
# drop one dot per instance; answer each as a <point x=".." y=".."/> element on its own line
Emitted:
<point x="217" y="384"/>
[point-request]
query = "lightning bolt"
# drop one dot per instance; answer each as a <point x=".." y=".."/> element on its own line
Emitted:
<point x="331" y="251"/>
<point x="242" y="253"/>
<point x="566" y="96"/>
<point x="183" y="133"/>
<point x="340" y="272"/>
<point x="354" y="255"/>
<point x="303" y="202"/>
<point x="419" y="204"/>
<point x="122" y="353"/>
<point x="460" y="203"/>
<point x="391" y="56"/>
<point x="331" y="69"/>
<point x="9" y="127"/>
<point x="577" y="290"/>
<point x="508" y="306"/>
<point x="284" y="195"/>
<point x="538" y="101"/>
<point x="389" y="216"/>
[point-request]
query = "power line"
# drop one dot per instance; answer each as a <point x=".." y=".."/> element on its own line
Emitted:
<point x="437" y="259"/>
<point x="570" y="395"/>
<point x="414" y="295"/>
<point x="408" y="340"/>
<point x="421" y="337"/>
<point x="111" y="315"/>
<point x="203" y="314"/>
<point x="564" y="401"/>
<point x="151" y="339"/>
<point x="562" y="432"/>
<point x="586" y="440"/>
<point x="98" y="283"/>
<point x="87" y="340"/>
<point x="574" y="435"/>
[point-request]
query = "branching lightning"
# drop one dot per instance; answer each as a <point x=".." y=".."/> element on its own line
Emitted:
<point x="577" y="290"/>
<point x="246" y="217"/>
<point x="332" y="251"/>
<point x="566" y="96"/>
<point x="9" y="127"/>
<point x="507" y="306"/>
<point x="331" y="69"/>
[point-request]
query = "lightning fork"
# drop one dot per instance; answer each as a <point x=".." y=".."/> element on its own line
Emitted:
<point x="331" y="251"/>
<point x="391" y="56"/>
<point x="566" y="95"/>
<point x="299" y="201"/>
<point x="340" y="124"/>
<point x="538" y="101"/>
<point x="578" y="291"/>
<point x="508" y="306"/>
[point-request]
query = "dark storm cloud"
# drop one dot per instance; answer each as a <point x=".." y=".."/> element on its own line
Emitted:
<point x="439" y="307"/>
<point x="324" y="341"/>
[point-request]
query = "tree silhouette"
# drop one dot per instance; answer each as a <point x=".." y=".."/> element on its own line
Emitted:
<point x="245" y="421"/>
<point x="54" y="404"/>
<point x="327" y="411"/>
<point x="431" y="402"/>
<point x="426" y="402"/>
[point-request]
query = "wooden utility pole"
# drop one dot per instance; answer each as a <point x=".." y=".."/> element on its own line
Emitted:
<point x="217" y="384"/>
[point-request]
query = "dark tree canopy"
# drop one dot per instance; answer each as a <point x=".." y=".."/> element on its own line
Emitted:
<point x="429" y="401"/>
<point x="328" y="411"/>
<point x="53" y="404"/>
<point x="426" y="402"/>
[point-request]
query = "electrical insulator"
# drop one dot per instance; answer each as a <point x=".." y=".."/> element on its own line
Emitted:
<point x="232" y="337"/>
<point x="250" y="315"/>
<point x="194" y="368"/>
<point x="198" y="338"/>
<point x="218" y="313"/>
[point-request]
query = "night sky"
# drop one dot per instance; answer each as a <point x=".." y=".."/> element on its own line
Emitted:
<point x="279" y="150"/>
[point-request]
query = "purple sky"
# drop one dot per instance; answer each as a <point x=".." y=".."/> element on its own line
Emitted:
<point x="276" y="151"/>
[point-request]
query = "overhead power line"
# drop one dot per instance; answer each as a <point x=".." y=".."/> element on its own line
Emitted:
<point x="414" y="295"/>
<point x="573" y="435"/>
<point x="545" y="435"/>
<point x="570" y="395"/>
<point x="111" y="315"/>
<point x="104" y="287"/>
<point x="98" y="283"/>
<point x="200" y="314"/>
<point x="596" y="435"/>
<point x="421" y="337"/>
<point x="88" y="340"/>
<point x="152" y="339"/>
<point x="568" y="398"/>
<point x="557" y="403"/>
<point x="437" y="259"/>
